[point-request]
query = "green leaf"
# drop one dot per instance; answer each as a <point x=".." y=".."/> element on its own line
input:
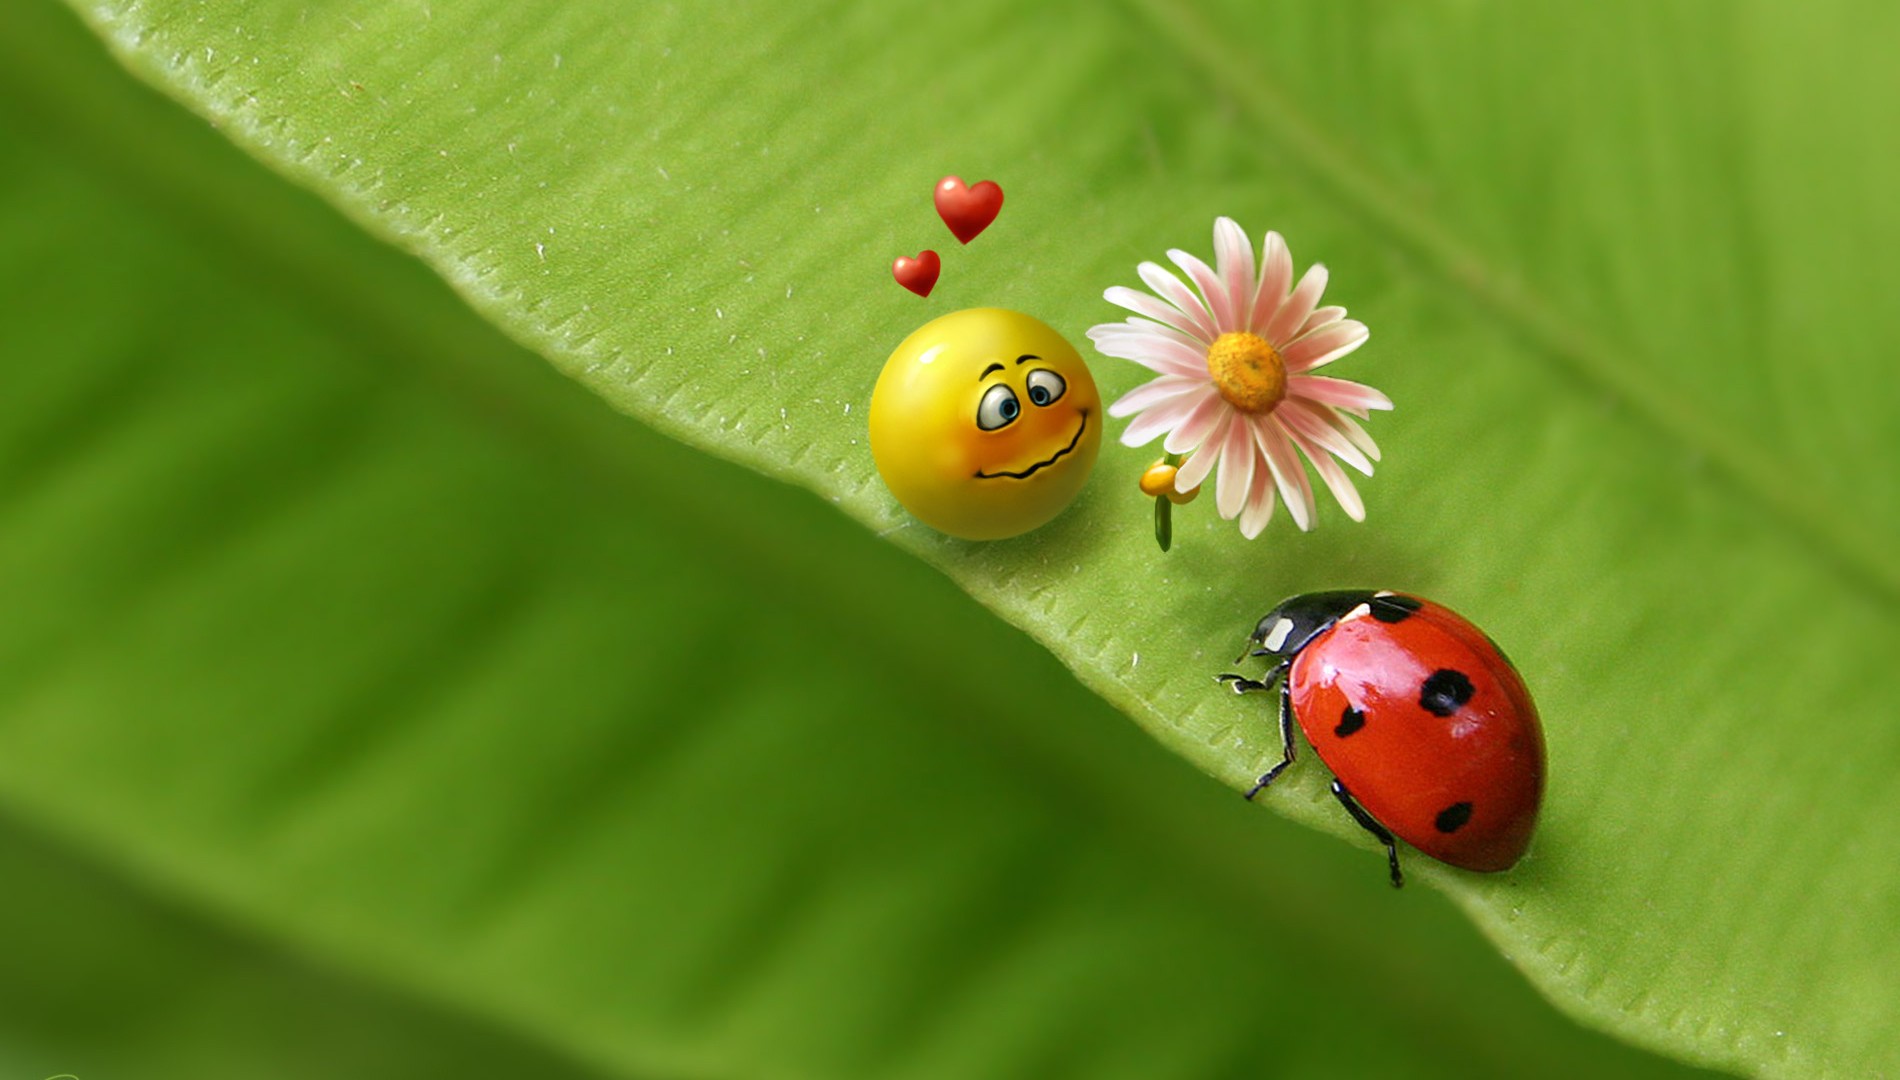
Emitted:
<point x="104" y="979"/>
<point x="375" y="703"/>
<point x="1594" y="254"/>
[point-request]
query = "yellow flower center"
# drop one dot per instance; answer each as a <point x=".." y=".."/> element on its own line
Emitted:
<point x="1249" y="374"/>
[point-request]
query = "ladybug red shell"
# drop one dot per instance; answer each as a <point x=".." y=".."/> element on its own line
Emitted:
<point x="1428" y="729"/>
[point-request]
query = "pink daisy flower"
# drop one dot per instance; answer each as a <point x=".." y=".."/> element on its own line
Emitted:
<point x="1236" y="393"/>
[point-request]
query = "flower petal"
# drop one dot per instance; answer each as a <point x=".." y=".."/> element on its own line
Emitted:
<point x="1312" y="426"/>
<point x="1288" y="474"/>
<point x="1355" y="434"/>
<point x="1237" y="466"/>
<point x="1199" y="424"/>
<point x="1154" y="307"/>
<point x="1154" y="392"/>
<point x="1322" y="317"/>
<point x="1156" y="352"/>
<point x="1259" y="509"/>
<point x="1337" y="392"/>
<point x="1336" y="479"/>
<point x="1292" y="314"/>
<point x="1136" y="322"/>
<point x="1233" y="261"/>
<point x="1193" y="472"/>
<point x="1322" y="347"/>
<point x="1276" y="273"/>
<point x="1173" y="290"/>
<point x="1204" y="279"/>
<point x="1162" y="417"/>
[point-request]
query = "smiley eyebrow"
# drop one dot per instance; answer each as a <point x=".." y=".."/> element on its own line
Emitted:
<point x="999" y="367"/>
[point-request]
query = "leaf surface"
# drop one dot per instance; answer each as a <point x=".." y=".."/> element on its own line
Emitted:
<point x="1595" y="251"/>
<point x="374" y="701"/>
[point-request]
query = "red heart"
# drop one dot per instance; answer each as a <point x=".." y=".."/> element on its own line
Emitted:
<point x="968" y="210"/>
<point x="919" y="275"/>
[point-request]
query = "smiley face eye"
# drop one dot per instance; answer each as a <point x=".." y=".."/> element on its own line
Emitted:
<point x="999" y="408"/>
<point x="1045" y="386"/>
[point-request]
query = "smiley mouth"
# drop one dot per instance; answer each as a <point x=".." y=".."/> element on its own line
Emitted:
<point x="1059" y="455"/>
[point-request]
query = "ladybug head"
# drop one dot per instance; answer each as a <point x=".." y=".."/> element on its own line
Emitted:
<point x="1288" y="628"/>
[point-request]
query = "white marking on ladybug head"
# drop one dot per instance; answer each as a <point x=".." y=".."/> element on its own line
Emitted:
<point x="1383" y="593"/>
<point x="1359" y="612"/>
<point x="1276" y="637"/>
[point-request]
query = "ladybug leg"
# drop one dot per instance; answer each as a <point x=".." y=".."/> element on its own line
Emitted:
<point x="1377" y="830"/>
<point x="1244" y="685"/>
<point x="1286" y="740"/>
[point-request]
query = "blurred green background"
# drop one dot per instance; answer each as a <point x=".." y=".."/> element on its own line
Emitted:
<point x="377" y="701"/>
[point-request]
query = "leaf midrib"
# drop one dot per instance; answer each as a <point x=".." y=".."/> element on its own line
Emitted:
<point x="1378" y="203"/>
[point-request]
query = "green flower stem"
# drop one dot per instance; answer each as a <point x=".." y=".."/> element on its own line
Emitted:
<point x="1164" y="511"/>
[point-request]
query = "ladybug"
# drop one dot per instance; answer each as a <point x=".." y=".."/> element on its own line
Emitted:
<point x="1426" y="726"/>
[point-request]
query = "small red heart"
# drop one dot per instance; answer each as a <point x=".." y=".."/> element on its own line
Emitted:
<point x="919" y="275"/>
<point x="968" y="210"/>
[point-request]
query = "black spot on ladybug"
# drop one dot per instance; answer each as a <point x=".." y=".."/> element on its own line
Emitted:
<point x="1445" y="692"/>
<point x="1394" y="608"/>
<point x="1453" y="817"/>
<point x="1350" y="721"/>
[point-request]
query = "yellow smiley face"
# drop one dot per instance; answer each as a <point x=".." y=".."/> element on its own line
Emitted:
<point x="985" y="423"/>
